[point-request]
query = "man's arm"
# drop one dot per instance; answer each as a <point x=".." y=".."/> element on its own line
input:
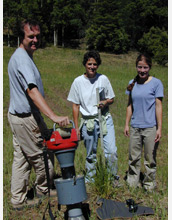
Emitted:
<point x="42" y="105"/>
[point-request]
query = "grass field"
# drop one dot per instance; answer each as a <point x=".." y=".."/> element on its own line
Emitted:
<point x="58" y="68"/>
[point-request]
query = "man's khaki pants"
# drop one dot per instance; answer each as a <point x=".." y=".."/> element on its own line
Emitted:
<point x="28" y="153"/>
<point x="138" y="138"/>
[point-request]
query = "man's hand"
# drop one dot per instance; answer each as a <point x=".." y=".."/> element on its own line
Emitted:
<point x="61" y="120"/>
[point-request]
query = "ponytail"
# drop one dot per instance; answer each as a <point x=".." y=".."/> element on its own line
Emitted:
<point x="131" y="85"/>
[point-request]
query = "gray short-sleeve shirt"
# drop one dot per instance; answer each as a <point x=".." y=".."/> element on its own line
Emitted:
<point x="22" y="71"/>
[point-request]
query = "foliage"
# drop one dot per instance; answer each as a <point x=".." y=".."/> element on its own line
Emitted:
<point x="116" y="41"/>
<point x="114" y="26"/>
<point x="103" y="180"/>
<point x="105" y="33"/>
<point x="155" y="42"/>
<point x="67" y="18"/>
<point x="139" y="16"/>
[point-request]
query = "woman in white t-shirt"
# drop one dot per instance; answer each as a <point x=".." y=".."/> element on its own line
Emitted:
<point x="83" y="96"/>
<point x="145" y="112"/>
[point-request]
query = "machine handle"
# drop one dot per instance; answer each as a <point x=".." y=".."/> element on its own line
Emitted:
<point x="54" y="126"/>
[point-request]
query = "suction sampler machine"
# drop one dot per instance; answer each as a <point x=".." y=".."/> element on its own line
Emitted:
<point x="71" y="190"/>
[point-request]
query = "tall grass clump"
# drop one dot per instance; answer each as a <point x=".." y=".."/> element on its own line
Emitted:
<point x="103" y="179"/>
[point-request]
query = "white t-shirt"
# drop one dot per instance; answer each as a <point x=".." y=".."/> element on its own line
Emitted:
<point x="83" y="92"/>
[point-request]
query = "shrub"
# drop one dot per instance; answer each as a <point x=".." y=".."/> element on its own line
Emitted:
<point x="155" y="42"/>
<point x="103" y="39"/>
<point x="120" y="41"/>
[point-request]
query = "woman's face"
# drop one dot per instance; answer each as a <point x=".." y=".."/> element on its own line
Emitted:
<point x="143" y="69"/>
<point x="91" y="68"/>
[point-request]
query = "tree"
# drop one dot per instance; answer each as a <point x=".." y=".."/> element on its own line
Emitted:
<point x="67" y="19"/>
<point x="16" y="11"/>
<point x="139" y="16"/>
<point x="105" y="32"/>
<point x="10" y="18"/>
<point x="155" y="42"/>
<point x="107" y="25"/>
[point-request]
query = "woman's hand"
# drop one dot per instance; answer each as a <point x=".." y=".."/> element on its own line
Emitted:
<point x="104" y="103"/>
<point x="158" y="135"/>
<point x="126" y="131"/>
<point x="127" y="120"/>
<point x="78" y="134"/>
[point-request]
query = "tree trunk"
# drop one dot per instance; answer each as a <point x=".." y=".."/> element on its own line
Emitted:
<point x="18" y="42"/>
<point x="55" y="38"/>
<point x="8" y="38"/>
<point x="62" y="36"/>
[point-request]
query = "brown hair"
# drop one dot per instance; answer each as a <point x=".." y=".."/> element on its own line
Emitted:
<point x="31" y="23"/>
<point x="141" y="57"/>
<point x="145" y="57"/>
<point x="92" y="54"/>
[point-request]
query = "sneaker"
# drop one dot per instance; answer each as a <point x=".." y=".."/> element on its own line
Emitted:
<point x="27" y="204"/>
<point x="53" y="193"/>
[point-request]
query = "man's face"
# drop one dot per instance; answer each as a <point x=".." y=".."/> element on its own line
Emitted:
<point x="31" y="39"/>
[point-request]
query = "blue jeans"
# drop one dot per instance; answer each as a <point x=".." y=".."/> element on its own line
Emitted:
<point x="110" y="149"/>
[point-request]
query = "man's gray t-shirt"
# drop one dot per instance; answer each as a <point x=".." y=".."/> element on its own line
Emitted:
<point x="22" y="71"/>
<point x="144" y="101"/>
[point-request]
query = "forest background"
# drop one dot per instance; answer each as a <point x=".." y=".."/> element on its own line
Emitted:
<point x="114" y="26"/>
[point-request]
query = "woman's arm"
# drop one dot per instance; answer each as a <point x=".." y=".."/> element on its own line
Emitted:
<point x="128" y="117"/>
<point x="158" y="109"/>
<point x="75" y="108"/>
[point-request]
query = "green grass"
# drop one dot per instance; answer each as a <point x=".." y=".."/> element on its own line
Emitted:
<point x="58" y="68"/>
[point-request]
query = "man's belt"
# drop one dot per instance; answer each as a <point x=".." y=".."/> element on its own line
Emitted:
<point x="22" y="115"/>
